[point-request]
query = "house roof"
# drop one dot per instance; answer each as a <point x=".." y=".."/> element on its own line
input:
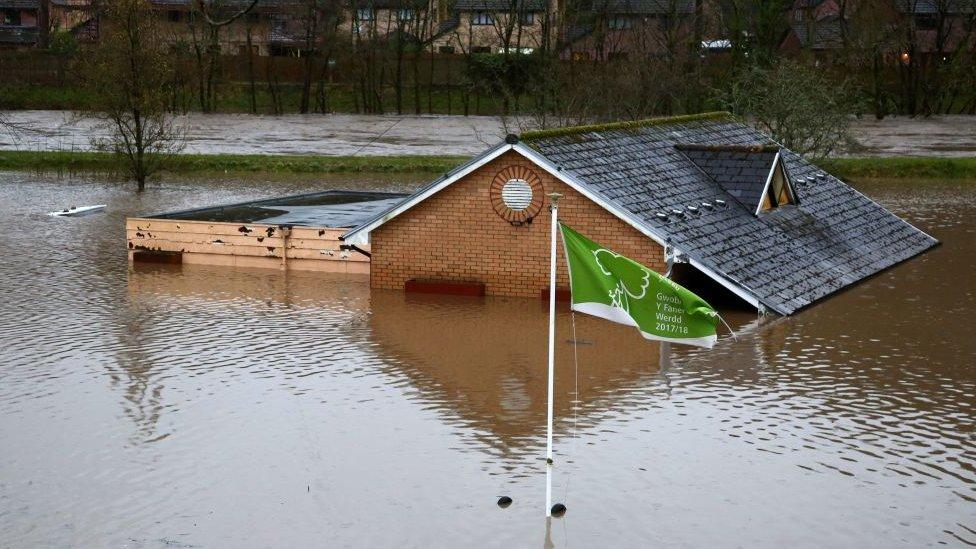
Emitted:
<point x="262" y="5"/>
<point x="499" y="5"/>
<point x="781" y="260"/>
<point x="645" y="7"/>
<point x="741" y="171"/>
<point x="20" y="4"/>
<point x="825" y="33"/>
<point x="932" y="7"/>
<point x="335" y="208"/>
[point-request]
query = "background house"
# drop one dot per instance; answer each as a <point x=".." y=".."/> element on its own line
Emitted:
<point x="19" y="27"/>
<point x="496" y="26"/>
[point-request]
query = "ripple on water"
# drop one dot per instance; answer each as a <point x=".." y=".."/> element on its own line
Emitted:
<point x="203" y="406"/>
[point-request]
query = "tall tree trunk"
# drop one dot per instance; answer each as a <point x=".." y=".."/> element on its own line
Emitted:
<point x="250" y="72"/>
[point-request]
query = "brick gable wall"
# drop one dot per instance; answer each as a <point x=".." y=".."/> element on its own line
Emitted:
<point x="456" y="235"/>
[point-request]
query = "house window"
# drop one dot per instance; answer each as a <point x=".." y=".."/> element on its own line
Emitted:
<point x="926" y="22"/>
<point x="404" y="15"/>
<point x="446" y="49"/>
<point x="481" y="49"/>
<point x="778" y="192"/>
<point x="482" y="18"/>
<point x="10" y="17"/>
<point x="620" y="22"/>
<point x="527" y="18"/>
<point x="365" y="14"/>
<point x="173" y="16"/>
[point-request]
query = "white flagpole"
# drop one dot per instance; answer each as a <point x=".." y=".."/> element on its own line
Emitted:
<point x="554" y="199"/>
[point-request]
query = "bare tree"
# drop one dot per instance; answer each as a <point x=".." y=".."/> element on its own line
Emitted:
<point x="796" y="104"/>
<point x="216" y="15"/>
<point x="128" y="74"/>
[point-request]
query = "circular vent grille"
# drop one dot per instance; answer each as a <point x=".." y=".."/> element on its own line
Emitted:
<point x="517" y="194"/>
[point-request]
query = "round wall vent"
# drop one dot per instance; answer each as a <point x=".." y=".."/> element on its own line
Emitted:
<point x="516" y="194"/>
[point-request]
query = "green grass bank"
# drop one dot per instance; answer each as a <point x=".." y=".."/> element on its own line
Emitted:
<point x="920" y="167"/>
<point x="73" y="161"/>
<point x="246" y="163"/>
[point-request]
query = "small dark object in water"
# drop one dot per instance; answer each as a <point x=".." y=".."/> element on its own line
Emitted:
<point x="558" y="510"/>
<point x="504" y="502"/>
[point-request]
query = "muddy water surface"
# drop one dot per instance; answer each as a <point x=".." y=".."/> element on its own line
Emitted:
<point x="208" y="407"/>
<point x="351" y="134"/>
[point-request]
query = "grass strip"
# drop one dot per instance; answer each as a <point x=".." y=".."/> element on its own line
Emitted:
<point x="906" y="167"/>
<point x="921" y="167"/>
<point x="76" y="161"/>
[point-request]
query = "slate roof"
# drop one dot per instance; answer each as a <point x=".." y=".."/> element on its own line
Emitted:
<point x="262" y="5"/>
<point x="787" y="258"/>
<point x="932" y="7"/>
<point x="20" y="4"/>
<point x="825" y="32"/>
<point x="741" y="171"/>
<point x="499" y="5"/>
<point x="646" y="7"/>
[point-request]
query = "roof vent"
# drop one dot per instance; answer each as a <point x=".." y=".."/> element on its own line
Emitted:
<point x="693" y="209"/>
<point x="661" y="215"/>
<point x="720" y="202"/>
<point x="707" y="205"/>
<point x="511" y="139"/>
<point x="677" y="212"/>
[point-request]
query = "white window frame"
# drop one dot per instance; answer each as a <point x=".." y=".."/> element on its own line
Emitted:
<point x="370" y="14"/>
<point x="482" y="19"/>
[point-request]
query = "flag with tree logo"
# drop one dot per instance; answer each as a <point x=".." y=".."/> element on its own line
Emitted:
<point x="608" y="285"/>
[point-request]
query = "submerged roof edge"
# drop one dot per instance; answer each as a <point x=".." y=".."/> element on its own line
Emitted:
<point x="265" y="201"/>
<point x="533" y="135"/>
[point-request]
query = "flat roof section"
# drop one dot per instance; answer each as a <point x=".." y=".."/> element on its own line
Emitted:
<point x="333" y="208"/>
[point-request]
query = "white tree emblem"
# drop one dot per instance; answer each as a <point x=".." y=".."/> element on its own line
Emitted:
<point x="632" y="278"/>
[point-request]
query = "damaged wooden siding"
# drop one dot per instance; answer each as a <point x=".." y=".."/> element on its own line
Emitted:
<point x="245" y="245"/>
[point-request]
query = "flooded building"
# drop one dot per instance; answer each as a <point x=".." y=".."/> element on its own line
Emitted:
<point x="294" y="232"/>
<point x="742" y="219"/>
<point x="737" y="211"/>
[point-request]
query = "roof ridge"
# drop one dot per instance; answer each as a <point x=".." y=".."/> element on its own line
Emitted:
<point x="707" y="147"/>
<point x="623" y="125"/>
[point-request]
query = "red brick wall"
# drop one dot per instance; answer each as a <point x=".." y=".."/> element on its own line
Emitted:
<point x="456" y="235"/>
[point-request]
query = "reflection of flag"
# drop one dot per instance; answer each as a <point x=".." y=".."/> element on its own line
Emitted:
<point x="611" y="286"/>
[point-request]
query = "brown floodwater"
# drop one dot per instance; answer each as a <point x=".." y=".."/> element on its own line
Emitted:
<point x="196" y="406"/>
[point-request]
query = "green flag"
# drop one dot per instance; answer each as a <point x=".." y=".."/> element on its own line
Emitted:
<point x="608" y="285"/>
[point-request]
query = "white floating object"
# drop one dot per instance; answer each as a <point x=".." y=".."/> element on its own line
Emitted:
<point x="78" y="210"/>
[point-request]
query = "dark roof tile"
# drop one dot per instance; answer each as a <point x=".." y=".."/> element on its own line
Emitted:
<point x="787" y="258"/>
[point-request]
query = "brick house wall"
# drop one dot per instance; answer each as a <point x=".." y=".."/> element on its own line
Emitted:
<point x="456" y="235"/>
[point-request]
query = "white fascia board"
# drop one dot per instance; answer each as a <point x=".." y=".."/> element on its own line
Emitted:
<point x="568" y="179"/>
<point x="361" y="235"/>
